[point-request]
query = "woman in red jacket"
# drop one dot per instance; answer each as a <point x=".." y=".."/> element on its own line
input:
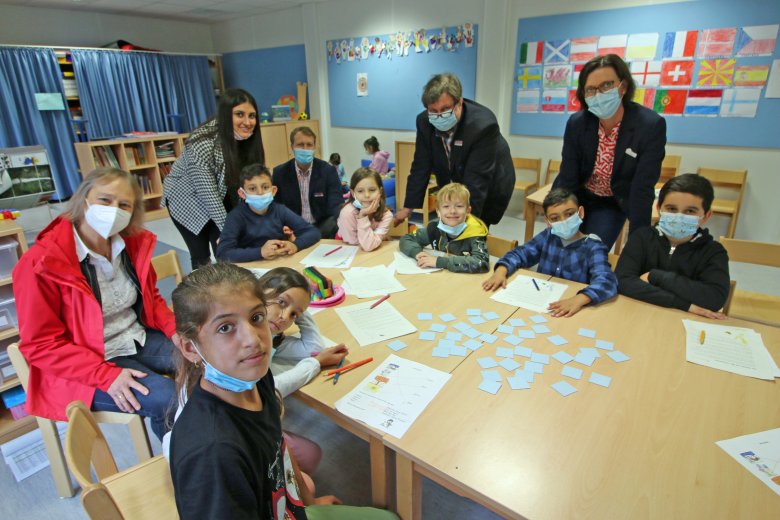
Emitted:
<point x="92" y="324"/>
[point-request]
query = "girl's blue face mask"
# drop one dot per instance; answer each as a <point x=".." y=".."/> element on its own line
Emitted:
<point x="357" y="204"/>
<point x="222" y="380"/>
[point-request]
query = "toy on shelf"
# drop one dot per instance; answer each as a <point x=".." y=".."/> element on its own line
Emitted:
<point x="302" y="115"/>
<point x="10" y="214"/>
<point x="323" y="292"/>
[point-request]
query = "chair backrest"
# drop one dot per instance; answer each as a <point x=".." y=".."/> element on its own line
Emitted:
<point x="399" y="230"/>
<point x="750" y="252"/>
<point x="730" y="297"/>
<point x="86" y="447"/>
<point x="670" y="167"/>
<point x="553" y="167"/>
<point x="167" y="265"/>
<point x="526" y="164"/>
<point x="498" y="246"/>
<point x="730" y="179"/>
<point x="19" y="364"/>
<point x="613" y="260"/>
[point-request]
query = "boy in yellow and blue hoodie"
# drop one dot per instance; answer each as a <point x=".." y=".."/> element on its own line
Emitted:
<point x="457" y="232"/>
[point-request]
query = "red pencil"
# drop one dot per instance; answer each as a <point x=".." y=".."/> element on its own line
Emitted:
<point x="332" y="251"/>
<point x="380" y="300"/>
<point x="350" y="366"/>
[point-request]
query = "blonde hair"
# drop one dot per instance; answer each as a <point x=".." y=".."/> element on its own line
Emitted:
<point x="453" y="191"/>
<point x="75" y="209"/>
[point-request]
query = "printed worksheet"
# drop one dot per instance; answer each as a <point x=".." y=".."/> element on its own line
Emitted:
<point x="331" y="255"/>
<point x="368" y="325"/>
<point x="733" y="349"/>
<point x="530" y="293"/>
<point x="368" y="282"/>
<point x="392" y="397"/>
<point x="407" y="265"/>
<point x="759" y="453"/>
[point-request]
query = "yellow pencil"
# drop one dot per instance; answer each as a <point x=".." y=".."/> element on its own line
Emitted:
<point x="701" y="338"/>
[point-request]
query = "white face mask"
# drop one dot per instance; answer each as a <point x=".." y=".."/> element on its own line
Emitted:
<point x="107" y="221"/>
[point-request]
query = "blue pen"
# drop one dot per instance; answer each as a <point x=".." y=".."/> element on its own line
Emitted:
<point x="336" y="376"/>
<point x="535" y="284"/>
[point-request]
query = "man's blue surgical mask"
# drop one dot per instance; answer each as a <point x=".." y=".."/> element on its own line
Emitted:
<point x="452" y="230"/>
<point x="302" y="156"/>
<point x="566" y="228"/>
<point x="678" y="225"/>
<point x="259" y="202"/>
<point x="604" y="104"/>
<point x="443" y="122"/>
<point x="222" y="380"/>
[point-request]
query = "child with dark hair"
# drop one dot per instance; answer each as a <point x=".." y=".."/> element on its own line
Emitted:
<point x="335" y="161"/>
<point x="562" y="250"/>
<point x="677" y="263"/>
<point x="258" y="228"/>
<point x="228" y="456"/>
<point x="379" y="158"/>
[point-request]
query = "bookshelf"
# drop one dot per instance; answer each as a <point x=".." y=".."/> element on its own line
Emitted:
<point x="71" y="90"/>
<point x="10" y="428"/>
<point x="149" y="159"/>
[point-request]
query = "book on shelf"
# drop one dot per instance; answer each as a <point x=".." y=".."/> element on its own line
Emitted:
<point x="165" y="170"/>
<point x="137" y="152"/>
<point x="164" y="150"/>
<point x="130" y="156"/>
<point x="143" y="181"/>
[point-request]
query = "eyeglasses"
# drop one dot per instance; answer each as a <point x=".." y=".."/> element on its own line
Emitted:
<point x="603" y="88"/>
<point x="441" y="115"/>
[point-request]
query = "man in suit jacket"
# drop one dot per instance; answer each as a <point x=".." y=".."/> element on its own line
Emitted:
<point x="459" y="141"/>
<point x="614" y="177"/>
<point x="308" y="186"/>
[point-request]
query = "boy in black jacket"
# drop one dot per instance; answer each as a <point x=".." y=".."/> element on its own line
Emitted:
<point x="677" y="263"/>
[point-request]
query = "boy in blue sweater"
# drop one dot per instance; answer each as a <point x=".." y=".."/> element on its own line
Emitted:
<point x="562" y="250"/>
<point x="258" y="228"/>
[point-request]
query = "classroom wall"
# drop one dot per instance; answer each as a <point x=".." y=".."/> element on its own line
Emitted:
<point x="498" y="34"/>
<point x="56" y="27"/>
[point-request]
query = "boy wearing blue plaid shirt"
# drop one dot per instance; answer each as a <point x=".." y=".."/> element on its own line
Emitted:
<point x="562" y="250"/>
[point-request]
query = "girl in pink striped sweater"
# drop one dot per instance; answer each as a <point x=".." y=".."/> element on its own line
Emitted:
<point x="365" y="219"/>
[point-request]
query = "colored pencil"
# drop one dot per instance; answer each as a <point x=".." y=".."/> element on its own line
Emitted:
<point x="350" y="366"/>
<point x="380" y="300"/>
<point x="332" y="251"/>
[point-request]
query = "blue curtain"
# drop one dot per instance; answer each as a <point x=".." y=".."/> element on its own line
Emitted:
<point x="125" y="92"/>
<point x="23" y="73"/>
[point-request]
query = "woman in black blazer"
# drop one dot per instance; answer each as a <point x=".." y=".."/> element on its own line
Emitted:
<point x="612" y="150"/>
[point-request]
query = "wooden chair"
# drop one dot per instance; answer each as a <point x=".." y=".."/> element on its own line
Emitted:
<point x="731" y="179"/>
<point x="613" y="260"/>
<point x="553" y="167"/>
<point x="167" y="265"/>
<point x="748" y="305"/>
<point x="670" y="167"/>
<point x="524" y="164"/>
<point x="140" y="492"/>
<point x="51" y="438"/>
<point x="498" y="246"/>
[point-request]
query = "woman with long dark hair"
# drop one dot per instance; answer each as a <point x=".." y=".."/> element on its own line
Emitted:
<point x="203" y="184"/>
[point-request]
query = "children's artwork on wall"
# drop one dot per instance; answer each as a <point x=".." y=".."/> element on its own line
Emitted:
<point x="703" y="65"/>
<point x="411" y="58"/>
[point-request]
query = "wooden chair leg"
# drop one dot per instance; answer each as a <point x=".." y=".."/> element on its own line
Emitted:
<point x="59" y="467"/>
<point x="140" y="437"/>
<point x="408" y="489"/>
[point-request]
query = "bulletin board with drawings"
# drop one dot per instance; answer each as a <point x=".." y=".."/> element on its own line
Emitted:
<point x="376" y="81"/>
<point x="705" y="66"/>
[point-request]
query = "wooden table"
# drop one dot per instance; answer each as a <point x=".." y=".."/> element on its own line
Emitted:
<point x="440" y="292"/>
<point x="642" y="448"/>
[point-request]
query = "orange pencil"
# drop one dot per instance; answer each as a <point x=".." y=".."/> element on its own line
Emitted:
<point x="350" y="366"/>
<point x="380" y="300"/>
<point x="701" y="338"/>
<point x="332" y="251"/>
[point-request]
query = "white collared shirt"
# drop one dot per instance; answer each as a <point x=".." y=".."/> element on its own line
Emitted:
<point x="121" y="328"/>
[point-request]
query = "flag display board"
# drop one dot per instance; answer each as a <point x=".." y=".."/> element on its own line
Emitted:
<point x="703" y="65"/>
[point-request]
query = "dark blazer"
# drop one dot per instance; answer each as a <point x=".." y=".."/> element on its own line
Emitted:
<point x="325" y="195"/>
<point x="479" y="158"/>
<point x="634" y="173"/>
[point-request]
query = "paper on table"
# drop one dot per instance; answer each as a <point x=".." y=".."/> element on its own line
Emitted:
<point x="258" y="271"/>
<point x="368" y="282"/>
<point x="759" y="453"/>
<point x="408" y="265"/>
<point x="733" y="349"/>
<point x="369" y="326"/>
<point x="521" y="292"/>
<point x="393" y="395"/>
<point x="341" y="259"/>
